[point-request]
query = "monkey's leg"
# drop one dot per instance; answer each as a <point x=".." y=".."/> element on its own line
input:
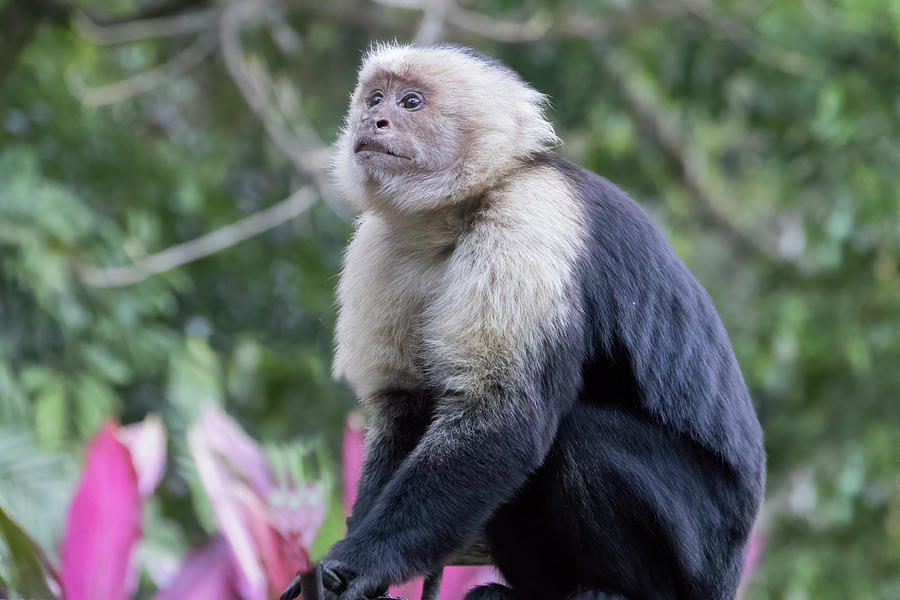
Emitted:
<point x="614" y="495"/>
<point x="491" y="591"/>
<point x="596" y="595"/>
<point x="495" y="591"/>
<point x="397" y="425"/>
<point x="431" y="588"/>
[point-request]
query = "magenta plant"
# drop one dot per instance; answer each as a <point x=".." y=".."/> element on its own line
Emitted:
<point x="266" y="511"/>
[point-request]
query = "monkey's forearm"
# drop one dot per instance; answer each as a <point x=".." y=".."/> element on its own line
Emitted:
<point x="394" y="433"/>
<point x="383" y="458"/>
<point x="415" y="524"/>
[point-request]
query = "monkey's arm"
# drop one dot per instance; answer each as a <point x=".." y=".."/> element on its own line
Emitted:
<point x="395" y="429"/>
<point x="474" y="456"/>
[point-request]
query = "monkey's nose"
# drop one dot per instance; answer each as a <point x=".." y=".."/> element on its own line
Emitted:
<point x="382" y="124"/>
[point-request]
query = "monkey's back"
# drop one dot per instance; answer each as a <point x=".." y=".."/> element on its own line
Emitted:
<point x="656" y="327"/>
<point x="662" y="450"/>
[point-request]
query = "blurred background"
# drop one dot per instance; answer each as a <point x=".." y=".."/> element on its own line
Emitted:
<point x="170" y="243"/>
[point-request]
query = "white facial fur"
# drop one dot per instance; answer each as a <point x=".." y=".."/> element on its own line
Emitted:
<point x="479" y="121"/>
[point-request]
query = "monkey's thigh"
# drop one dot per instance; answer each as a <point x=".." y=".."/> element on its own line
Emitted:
<point x="618" y="505"/>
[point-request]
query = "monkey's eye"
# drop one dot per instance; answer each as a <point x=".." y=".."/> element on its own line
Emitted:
<point x="375" y="98"/>
<point x="411" y="101"/>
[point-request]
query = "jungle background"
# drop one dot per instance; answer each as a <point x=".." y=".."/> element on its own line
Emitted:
<point x="169" y="236"/>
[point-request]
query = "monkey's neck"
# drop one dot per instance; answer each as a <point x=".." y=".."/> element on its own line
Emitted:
<point x="434" y="230"/>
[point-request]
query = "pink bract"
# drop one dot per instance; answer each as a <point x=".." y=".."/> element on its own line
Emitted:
<point x="104" y="524"/>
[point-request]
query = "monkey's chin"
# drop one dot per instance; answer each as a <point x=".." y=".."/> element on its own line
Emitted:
<point x="376" y="163"/>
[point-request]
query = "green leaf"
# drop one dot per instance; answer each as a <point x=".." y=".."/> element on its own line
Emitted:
<point x="30" y="569"/>
<point x="35" y="486"/>
<point x="51" y="411"/>
<point x="13" y="402"/>
<point x="96" y="402"/>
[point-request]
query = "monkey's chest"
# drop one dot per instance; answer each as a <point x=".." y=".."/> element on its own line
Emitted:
<point x="381" y="329"/>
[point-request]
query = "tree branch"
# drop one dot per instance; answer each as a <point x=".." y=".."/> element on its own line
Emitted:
<point x="434" y="16"/>
<point x="21" y="18"/>
<point x="617" y="22"/>
<point x="164" y="8"/>
<point x="200" y="247"/>
<point x="252" y="81"/>
<point x="298" y="140"/>
<point x="145" y="81"/>
<point x="743" y="37"/>
<point x="669" y="142"/>
<point x="19" y="25"/>
<point x="300" y="143"/>
<point x="59" y="11"/>
<point x="135" y="30"/>
<point x="540" y="24"/>
<point x="505" y="31"/>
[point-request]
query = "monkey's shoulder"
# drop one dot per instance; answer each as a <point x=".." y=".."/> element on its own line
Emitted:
<point x="535" y="212"/>
<point x="603" y="204"/>
<point x="625" y="251"/>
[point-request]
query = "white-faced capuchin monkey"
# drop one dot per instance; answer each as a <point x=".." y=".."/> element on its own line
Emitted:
<point x="538" y="365"/>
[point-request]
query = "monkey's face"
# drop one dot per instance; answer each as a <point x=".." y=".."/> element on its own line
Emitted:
<point x="394" y="131"/>
<point x="429" y="127"/>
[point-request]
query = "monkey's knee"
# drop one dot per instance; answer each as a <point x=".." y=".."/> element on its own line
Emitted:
<point x="491" y="591"/>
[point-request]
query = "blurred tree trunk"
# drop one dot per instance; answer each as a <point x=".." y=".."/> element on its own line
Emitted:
<point x="19" y="20"/>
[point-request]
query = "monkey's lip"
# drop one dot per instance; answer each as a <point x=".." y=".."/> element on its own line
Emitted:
<point x="377" y="147"/>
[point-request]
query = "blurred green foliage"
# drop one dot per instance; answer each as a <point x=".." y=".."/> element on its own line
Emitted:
<point x="786" y="113"/>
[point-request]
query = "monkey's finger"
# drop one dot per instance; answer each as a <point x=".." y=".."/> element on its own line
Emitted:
<point x="292" y="590"/>
<point x="334" y="580"/>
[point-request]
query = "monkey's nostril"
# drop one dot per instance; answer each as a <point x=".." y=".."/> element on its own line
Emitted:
<point x="382" y="124"/>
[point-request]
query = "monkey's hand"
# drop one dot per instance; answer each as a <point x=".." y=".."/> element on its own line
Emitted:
<point x="347" y="576"/>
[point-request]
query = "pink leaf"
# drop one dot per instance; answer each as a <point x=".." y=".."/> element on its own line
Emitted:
<point x="411" y="590"/>
<point x="103" y="525"/>
<point x="754" y="552"/>
<point x="353" y="458"/>
<point x="225" y="437"/>
<point x="282" y="553"/>
<point x="225" y="494"/>
<point x="751" y="560"/>
<point x="206" y="573"/>
<point x="146" y="442"/>
<point x="456" y="582"/>
<point x="266" y="515"/>
<point x="459" y="580"/>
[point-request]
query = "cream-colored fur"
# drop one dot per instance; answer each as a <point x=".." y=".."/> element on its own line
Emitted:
<point x="459" y="302"/>
<point x="457" y="289"/>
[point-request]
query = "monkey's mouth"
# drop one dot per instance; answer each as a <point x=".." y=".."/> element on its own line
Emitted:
<point x="376" y="147"/>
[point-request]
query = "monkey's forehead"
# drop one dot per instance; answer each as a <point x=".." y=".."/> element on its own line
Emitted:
<point x="385" y="78"/>
<point x="432" y="65"/>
